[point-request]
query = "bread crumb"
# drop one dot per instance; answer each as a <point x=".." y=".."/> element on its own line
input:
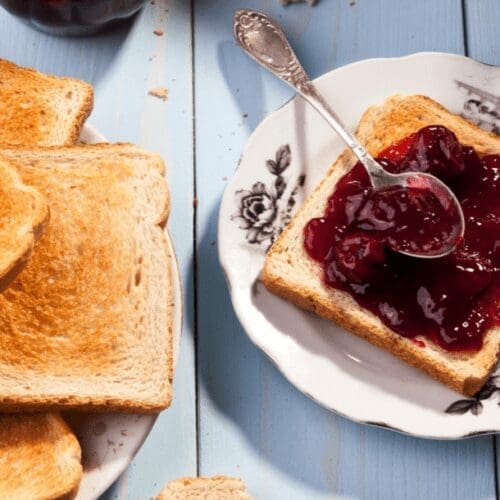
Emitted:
<point x="160" y="92"/>
<point x="312" y="3"/>
<point x="224" y="178"/>
<point x="195" y="202"/>
<point x="158" y="32"/>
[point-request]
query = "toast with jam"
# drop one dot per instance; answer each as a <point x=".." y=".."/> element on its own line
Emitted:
<point x="438" y="315"/>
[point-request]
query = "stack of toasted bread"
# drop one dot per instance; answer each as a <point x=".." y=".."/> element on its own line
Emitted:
<point x="85" y="302"/>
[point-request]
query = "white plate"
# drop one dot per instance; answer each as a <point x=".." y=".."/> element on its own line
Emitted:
<point x="109" y="442"/>
<point x="335" y="368"/>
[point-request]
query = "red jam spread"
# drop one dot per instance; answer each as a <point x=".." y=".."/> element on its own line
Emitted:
<point x="411" y="220"/>
<point x="452" y="300"/>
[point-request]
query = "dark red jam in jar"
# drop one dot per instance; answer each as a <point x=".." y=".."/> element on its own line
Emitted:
<point x="72" y="17"/>
<point x="452" y="300"/>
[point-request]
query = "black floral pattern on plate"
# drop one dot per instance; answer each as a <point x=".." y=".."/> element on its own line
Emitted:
<point x="262" y="210"/>
<point x="481" y="107"/>
<point x="474" y="404"/>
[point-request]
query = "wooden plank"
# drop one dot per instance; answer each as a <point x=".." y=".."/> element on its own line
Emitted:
<point x="482" y="21"/>
<point x="253" y="424"/>
<point x="118" y="64"/>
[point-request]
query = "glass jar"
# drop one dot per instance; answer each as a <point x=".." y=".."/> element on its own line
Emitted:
<point x="72" y="17"/>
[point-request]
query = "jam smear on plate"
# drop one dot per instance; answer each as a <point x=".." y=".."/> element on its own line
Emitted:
<point x="451" y="300"/>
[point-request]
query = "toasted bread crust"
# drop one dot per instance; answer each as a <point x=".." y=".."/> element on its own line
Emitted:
<point x="84" y="112"/>
<point x="380" y="127"/>
<point x="377" y="335"/>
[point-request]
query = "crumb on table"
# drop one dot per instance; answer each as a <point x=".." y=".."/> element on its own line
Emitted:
<point x="312" y="3"/>
<point x="160" y="92"/>
<point x="158" y="32"/>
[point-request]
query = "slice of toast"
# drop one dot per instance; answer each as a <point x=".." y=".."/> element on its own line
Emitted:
<point x="23" y="213"/>
<point x="39" y="109"/>
<point x="88" y="322"/>
<point x="205" y="488"/>
<point x="290" y="273"/>
<point x="40" y="458"/>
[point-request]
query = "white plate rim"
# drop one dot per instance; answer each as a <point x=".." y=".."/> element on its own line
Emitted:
<point x="238" y="306"/>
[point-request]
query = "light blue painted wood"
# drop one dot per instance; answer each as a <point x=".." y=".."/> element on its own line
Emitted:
<point x="118" y="64"/>
<point x="483" y="20"/>
<point x="252" y="422"/>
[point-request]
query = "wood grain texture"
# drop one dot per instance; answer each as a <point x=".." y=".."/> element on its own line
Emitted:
<point x="482" y="24"/>
<point x="253" y="424"/>
<point x="124" y="64"/>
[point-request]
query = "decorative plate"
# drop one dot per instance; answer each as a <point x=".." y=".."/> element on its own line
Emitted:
<point x="281" y="164"/>
<point x="109" y="442"/>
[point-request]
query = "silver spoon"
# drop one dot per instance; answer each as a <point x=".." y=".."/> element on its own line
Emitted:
<point x="264" y="41"/>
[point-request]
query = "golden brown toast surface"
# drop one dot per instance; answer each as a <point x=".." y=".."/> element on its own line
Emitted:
<point x="87" y="324"/>
<point x="39" y="109"/>
<point x="39" y="458"/>
<point x="23" y="214"/>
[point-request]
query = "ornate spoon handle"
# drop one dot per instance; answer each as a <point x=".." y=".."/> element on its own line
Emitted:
<point x="264" y="41"/>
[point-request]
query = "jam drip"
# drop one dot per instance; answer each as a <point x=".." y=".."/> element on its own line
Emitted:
<point x="452" y="300"/>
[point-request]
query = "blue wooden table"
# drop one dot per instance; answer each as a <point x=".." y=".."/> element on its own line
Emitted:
<point x="233" y="413"/>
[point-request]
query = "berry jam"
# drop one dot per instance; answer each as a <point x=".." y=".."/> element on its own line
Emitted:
<point x="411" y="220"/>
<point x="452" y="300"/>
